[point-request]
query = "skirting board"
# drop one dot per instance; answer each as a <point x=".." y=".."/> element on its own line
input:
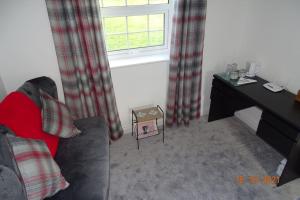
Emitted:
<point x="249" y="116"/>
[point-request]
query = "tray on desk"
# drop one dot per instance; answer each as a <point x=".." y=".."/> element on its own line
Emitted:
<point x="237" y="82"/>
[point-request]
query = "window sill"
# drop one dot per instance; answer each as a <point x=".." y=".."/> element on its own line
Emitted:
<point x="125" y="62"/>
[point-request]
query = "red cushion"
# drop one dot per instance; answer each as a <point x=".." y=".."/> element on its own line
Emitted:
<point x="19" y="113"/>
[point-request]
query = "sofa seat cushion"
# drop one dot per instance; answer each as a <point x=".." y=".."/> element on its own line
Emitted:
<point x="84" y="161"/>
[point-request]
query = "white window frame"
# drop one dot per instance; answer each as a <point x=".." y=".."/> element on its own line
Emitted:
<point x="135" y="10"/>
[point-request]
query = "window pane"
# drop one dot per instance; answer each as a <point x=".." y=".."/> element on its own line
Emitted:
<point x="137" y="2"/>
<point x="137" y="23"/>
<point x="107" y="3"/>
<point x="158" y="1"/>
<point x="156" y="38"/>
<point x="156" y="22"/>
<point x="137" y="40"/>
<point x="115" y="25"/>
<point x="116" y="42"/>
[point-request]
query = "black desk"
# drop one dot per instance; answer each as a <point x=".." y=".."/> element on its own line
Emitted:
<point x="280" y="122"/>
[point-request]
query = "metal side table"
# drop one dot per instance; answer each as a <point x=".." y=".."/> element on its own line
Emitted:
<point x="145" y="115"/>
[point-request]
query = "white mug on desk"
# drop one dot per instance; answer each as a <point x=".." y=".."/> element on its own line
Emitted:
<point x="253" y="69"/>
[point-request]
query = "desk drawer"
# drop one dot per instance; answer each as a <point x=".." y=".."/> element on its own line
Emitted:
<point x="281" y="126"/>
<point x="275" y="138"/>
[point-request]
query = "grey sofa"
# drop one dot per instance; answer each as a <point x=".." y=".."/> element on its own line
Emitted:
<point x="84" y="159"/>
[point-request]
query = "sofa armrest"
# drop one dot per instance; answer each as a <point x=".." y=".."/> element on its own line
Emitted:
<point x="11" y="186"/>
<point x="31" y="88"/>
<point x="46" y="84"/>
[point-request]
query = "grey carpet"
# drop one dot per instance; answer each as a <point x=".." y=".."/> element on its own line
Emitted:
<point x="199" y="162"/>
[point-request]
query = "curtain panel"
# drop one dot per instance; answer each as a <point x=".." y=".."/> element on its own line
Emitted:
<point x="82" y="59"/>
<point x="184" y="90"/>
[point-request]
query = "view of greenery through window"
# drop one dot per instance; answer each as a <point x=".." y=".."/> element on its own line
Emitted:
<point x="137" y="31"/>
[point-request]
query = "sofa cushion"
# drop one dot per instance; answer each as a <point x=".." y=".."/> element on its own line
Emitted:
<point x="84" y="161"/>
<point x="57" y="119"/>
<point x="40" y="173"/>
<point x="19" y="113"/>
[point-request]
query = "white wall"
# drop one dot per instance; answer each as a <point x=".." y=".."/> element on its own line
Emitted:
<point x="236" y="31"/>
<point x="222" y="45"/>
<point x="2" y="89"/>
<point x="272" y="38"/>
<point x="224" y="33"/>
<point x="27" y="51"/>
<point x="139" y="85"/>
<point x="26" y="44"/>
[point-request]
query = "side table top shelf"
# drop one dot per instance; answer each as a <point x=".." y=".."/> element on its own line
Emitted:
<point x="148" y="114"/>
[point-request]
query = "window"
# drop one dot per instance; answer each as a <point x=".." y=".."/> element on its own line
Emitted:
<point x="134" y="26"/>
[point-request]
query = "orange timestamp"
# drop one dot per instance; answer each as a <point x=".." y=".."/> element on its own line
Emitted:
<point x="266" y="180"/>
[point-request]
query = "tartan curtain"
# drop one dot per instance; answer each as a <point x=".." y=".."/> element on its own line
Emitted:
<point x="184" y="90"/>
<point x="82" y="59"/>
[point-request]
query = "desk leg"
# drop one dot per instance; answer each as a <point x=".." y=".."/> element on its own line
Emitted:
<point x="292" y="168"/>
<point x="163" y="128"/>
<point x="137" y="135"/>
<point x="132" y="123"/>
<point x="219" y="110"/>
